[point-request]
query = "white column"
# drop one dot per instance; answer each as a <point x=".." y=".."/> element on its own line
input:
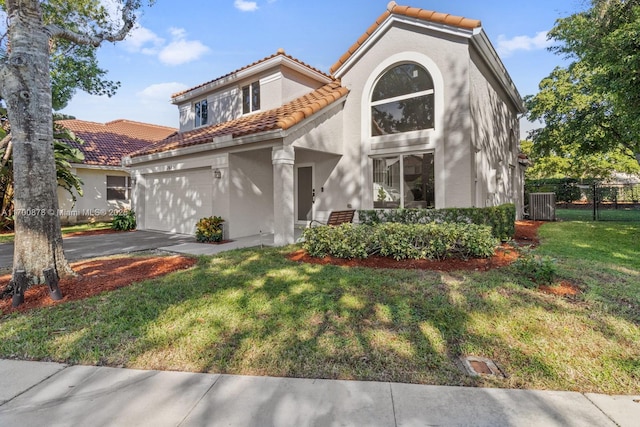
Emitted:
<point x="283" y="159"/>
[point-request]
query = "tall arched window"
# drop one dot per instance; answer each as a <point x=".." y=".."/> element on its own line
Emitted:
<point x="402" y="101"/>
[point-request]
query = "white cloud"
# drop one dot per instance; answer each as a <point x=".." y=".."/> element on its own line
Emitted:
<point x="508" y="46"/>
<point x="178" y="51"/>
<point x="246" y="6"/>
<point x="160" y="92"/>
<point x="181" y="50"/>
<point x="143" y="40"/>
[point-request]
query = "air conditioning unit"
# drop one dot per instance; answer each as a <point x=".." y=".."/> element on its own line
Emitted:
<point x="542" y="206"/>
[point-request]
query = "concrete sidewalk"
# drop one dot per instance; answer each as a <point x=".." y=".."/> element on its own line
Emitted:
<point x="50" y="394"/>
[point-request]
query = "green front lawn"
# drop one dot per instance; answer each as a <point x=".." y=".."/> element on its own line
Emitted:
<point x="255" y="312"/>
<point x="8" y="237"/>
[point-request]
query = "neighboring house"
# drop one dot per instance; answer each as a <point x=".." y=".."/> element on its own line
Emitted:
<point x="106" y="183"/>
<point x="420" y="112"/>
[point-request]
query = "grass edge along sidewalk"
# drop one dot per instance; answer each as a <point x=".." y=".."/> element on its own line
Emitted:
<point x="254" y="312"/>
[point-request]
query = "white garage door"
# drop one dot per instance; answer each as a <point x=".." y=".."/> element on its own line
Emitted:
<point x="176" y="201"/>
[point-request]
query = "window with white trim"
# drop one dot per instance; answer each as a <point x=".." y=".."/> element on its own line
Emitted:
<point x="251" y="98"/>
<point x="404" y="181"/>
<point x="402" y="101"/>
<point x="201" y="109"/>
<point x="118" y="188"/>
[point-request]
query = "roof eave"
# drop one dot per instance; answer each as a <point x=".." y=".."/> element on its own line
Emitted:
<point x="279" y="60"/>
<point x="216" y="143"/>
<point x="383" y="27"/>
<point x="483" y="45"/>
<point x="227" y="141"/>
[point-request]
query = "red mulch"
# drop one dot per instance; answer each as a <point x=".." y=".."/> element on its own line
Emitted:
<point x="526" y="233"/>
<point x="96" y="276"/>
<point x="562" y="289"/>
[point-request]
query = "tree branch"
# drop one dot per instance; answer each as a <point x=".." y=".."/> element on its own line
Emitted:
<point x="128" y="20"/>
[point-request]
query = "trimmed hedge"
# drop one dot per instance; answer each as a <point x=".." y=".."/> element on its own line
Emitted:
<point x="501" y="218"/>
<point x="401" y="241"/>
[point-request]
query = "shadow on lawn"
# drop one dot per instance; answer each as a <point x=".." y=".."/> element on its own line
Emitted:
<point x="253" y="312"/>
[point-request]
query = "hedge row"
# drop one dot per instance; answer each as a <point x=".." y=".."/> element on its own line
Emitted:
<point x="501" y="218"/>
<point x="401" y="241"/>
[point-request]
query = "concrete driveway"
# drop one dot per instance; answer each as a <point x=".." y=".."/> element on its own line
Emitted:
<point x="91" y="246"/>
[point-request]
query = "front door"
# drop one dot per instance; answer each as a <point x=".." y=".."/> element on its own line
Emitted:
<point x="305" y="193"/>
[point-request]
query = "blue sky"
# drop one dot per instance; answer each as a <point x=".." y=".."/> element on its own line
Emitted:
<point x="178" y="45"/>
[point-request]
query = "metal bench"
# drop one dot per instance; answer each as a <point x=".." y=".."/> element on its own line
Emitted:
<point x="337" y="218"/>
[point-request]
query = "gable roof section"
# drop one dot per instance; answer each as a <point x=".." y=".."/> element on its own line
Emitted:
<point x="411" y="12"/>
<point x="106" y="144"/>
<point x="469" y="28"/>
<point x="279" y="55"/>
<point x="283" y="118"/>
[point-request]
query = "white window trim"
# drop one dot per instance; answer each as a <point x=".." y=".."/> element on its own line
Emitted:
<point x="433" y="137"/>
<point x="401" y="164"/>
<point x="128" y="188"/>
<point x="403" y="97"/>
<point x="251" y="109"/>
<point x="195" y="116"/>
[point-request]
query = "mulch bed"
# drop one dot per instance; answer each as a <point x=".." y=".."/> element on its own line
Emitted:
<point x="98" y="275"/>
<point x="526" y="234"/>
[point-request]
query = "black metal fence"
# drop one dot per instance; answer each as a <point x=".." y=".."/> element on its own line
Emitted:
<point x="592" y="201"/>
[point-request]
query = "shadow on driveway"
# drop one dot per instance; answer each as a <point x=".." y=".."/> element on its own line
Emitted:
<point x="91" y="246"/>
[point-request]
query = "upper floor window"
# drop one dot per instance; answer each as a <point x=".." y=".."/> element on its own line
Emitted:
<point x="402" y="101"/>
<point x="201" y="113"/>
<point x="251" y="98"/>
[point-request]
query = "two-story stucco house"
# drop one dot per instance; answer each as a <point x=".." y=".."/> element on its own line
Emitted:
<point x="420" y="112"/>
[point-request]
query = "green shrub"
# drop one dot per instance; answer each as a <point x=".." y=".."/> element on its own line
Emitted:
<point x="124" y="221"/>
<point x="501" y="219"/>
<point x="342" y="241"/>
<point x="541" y="270"/>
<point x="209" y="229"/>
<point x="401" y="241"/>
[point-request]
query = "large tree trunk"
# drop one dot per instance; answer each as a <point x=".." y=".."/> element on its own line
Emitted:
<point x="27" y="92"/>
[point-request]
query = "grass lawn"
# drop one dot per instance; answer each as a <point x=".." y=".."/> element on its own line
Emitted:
<point x="627" y="214"/>
<point x="8" y="237"/>
<point x="255" y="312"/>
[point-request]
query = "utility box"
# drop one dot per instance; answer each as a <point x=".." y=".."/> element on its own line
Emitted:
<point x="542" y="206"/>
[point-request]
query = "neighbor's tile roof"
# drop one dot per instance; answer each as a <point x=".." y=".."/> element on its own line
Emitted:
<point x="280" y="52"/>
<point x="283" y="117"/>
<point x="106" y="144"/>
<point x="413" y="12"/>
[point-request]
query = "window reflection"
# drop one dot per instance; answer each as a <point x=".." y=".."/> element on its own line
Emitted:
<point x="402" y="101"/>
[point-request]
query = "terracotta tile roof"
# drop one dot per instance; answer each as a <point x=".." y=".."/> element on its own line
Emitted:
<point x="106" y="144"/>
<point x="283" y="118"/>
<point x="280" y="52"/>
<point x="412" y="12"/>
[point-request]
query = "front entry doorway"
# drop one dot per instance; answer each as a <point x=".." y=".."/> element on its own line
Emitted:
<point x="305" y="193"/>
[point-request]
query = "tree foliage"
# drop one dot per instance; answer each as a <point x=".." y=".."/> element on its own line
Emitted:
<point x="35" y="30"/>
<point x="591" y="106"/>
<point x="75" y="67"/>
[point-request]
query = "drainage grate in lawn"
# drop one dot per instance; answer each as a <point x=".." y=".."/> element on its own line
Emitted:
<point x="481" y="366"/>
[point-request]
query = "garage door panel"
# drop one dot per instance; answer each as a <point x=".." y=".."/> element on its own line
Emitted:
<point x="176" y="201"/>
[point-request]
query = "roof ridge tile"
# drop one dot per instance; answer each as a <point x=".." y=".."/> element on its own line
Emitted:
<point x="412" y="12"/>
<point x="280" y="52"/>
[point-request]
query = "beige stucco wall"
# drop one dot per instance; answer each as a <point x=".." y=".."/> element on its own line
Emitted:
<point x="495" y="129"/>
<point x="93" y="205"/>
<point x="251" y="193"/>
<point x="446" y="58"/>
<point x="278" y="85"/>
